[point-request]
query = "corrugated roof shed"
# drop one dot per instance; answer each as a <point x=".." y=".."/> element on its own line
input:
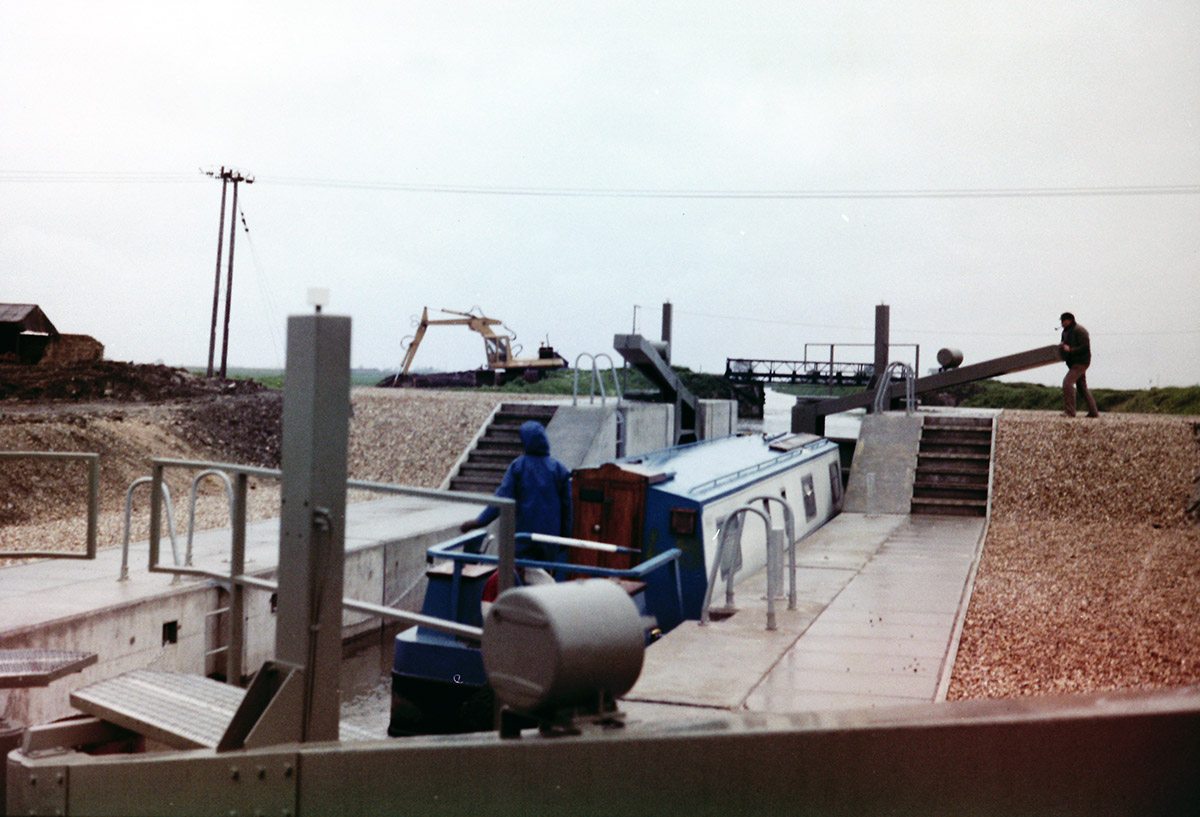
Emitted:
<point x="26" y="318"/>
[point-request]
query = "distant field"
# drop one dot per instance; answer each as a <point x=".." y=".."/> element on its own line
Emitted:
<point x="273" y="378"/>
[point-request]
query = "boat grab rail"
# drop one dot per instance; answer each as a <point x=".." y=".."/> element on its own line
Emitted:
<point x="459" y="551"/>
<point x="92" y="461"/>
<point x="596" y="378"/>
<point x="166" y="493"/>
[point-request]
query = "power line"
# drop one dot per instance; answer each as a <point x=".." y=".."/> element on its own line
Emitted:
<point x="156" y="177"/>
<point x="270" y="303"/>
<point x="646" y="193"/>
<point x="916" y="331"/>
<point x="95" y="177"/>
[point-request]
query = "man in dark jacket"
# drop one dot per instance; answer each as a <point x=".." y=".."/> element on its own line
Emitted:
<point x="1077" y="352"/>
<point x="541" y="486"/>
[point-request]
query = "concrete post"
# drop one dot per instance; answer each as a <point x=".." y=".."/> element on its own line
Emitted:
<point x="316" y="412"/>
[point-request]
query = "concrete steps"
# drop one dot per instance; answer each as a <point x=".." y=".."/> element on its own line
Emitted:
<point x="484" y="467"/>
<point x="953" y="466"/>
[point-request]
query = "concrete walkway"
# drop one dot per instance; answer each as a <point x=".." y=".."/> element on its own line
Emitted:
<point x="881" y="599"/>
<point x="36" y="593"/>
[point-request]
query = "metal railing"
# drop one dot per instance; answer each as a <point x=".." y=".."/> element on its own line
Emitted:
<point x="129" y="520"/>
<point x="595" y="379"/>
<point x="238" y="581"/>
<point x="211" y="472"/>
<point x="881" y="391"/>
<point x="93" y="503"/>
<point x="728" y="561"/>
<point x="466" y="550"/>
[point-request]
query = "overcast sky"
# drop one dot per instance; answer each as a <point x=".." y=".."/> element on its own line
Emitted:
<point x="557" y="164"/>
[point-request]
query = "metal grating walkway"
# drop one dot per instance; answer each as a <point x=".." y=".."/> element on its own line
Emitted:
<point x="182" y="711"/>
<point x="37" y="668"/>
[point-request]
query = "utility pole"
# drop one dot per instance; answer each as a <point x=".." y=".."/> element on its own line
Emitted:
<point x="226" y="175"/>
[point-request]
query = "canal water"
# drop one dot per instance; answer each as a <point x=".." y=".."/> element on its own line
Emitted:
<point x="366" y="681"/>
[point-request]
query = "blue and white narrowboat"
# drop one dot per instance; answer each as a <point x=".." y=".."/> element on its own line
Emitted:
<point x="651" y="522"/>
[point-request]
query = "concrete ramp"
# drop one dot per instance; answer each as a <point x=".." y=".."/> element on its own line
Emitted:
<point x="885" y="464"/>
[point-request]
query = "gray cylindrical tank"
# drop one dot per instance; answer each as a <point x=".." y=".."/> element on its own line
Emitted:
<point x="558" y="645"/>
<point x="949" y="358"/>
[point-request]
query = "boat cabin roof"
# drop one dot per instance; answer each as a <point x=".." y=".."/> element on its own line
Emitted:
<point x="713" y="467"/>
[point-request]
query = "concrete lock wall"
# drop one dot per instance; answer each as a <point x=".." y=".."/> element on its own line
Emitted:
<point x="716" y="418"/>
<point x="138" y="635"/>
<point x="586" y="436"/>
<point x="648" y="427"/>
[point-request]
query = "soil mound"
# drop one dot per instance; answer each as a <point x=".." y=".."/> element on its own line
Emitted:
<point x="112" y="380"/>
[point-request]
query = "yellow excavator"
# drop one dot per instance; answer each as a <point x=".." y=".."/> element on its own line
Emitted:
<point x="499" y="347"/>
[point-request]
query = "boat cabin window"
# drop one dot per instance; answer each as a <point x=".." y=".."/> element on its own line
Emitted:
<point x="810" y="497"/>
<point x="835" y="482"/>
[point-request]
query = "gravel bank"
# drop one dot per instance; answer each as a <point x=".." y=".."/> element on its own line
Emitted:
<point x="401" y="436"/>
<point x="1090" y="576"/>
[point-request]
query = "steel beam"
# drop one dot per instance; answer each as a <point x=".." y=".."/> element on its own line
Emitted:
<point x="1009" y="364"/>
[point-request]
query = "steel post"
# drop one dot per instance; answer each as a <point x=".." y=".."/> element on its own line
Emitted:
<point x="235" y="669"/>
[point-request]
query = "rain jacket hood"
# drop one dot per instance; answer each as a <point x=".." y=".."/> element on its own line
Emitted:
<point x="534" y="439"/>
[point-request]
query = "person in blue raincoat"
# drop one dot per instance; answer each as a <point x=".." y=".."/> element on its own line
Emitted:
<point x="541" y="486"/>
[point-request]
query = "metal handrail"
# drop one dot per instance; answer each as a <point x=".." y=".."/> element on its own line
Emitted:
<point x="885" y="382"/>
<point x="459" y="552"/>
<point x="210" y="472"/>
<point x="775" y="540"/>
<point x="789" y="529"/>
<point x="725" y="561"/>
<point x="166" y="492"/>
<point x="596" y="378"/>
<point x="93" y="509"/>
<point x="238" y="581"/>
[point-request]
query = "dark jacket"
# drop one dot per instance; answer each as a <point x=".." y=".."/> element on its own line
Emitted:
<point x="541" y="486"/>
<point x="1076" y="337"/>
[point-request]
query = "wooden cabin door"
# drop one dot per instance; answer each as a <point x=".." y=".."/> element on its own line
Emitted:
<point x="610" y="506"/>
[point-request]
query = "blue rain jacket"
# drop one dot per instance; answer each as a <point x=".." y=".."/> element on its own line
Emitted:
<point x="541" y="486"/>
